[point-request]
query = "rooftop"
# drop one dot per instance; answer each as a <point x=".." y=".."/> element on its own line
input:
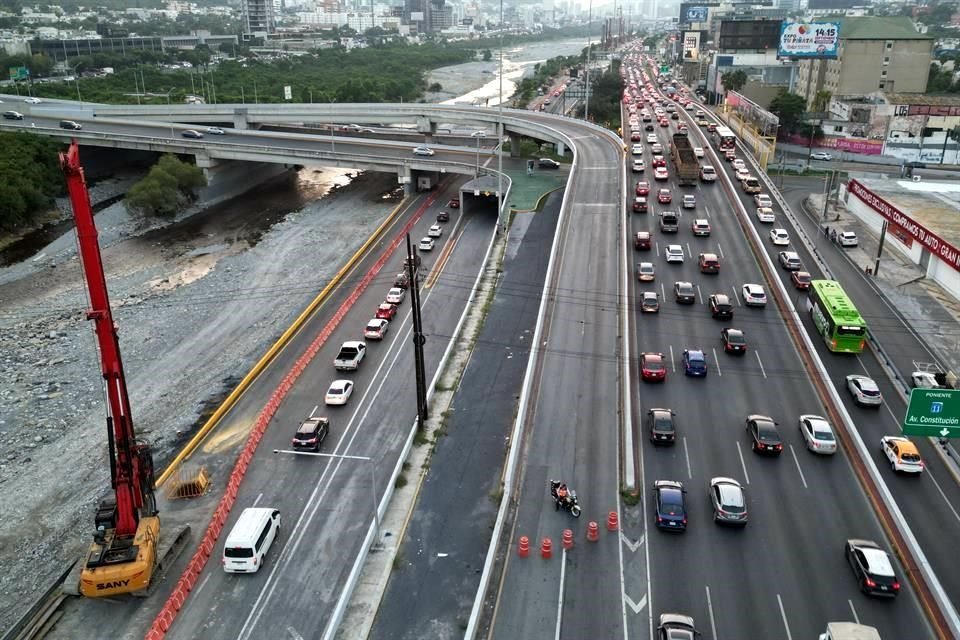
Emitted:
<point x="947" y="100"/>
<point x="935" y="205"/>
<point x="874" y="28"/>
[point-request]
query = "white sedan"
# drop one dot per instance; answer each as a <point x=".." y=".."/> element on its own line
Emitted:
<point x="779" y="237"/>
<point x="396" y="295"/>
<point x="376" y="329"/>
<point x="32" y="100"/>
<point x="818" y="434"/>
<point x="423" y="151"/>
<point x="864" y="390"/>
<point x="820" y="155"/>
<point x="651" y="138"/>
<point x="216" y="131"/>
<point x="426" y="244"/>
<point x="636" y="149"/>
<point x="765" y="214"/>
<point x="763" y="200"/>
<point x="656" y="147"/>
<point x="339" y="392"/>
<point x="674" y="253"/>
<point x="698" y="151"/>
<point x="754" y="295"/>
<point x="435" y="231"/>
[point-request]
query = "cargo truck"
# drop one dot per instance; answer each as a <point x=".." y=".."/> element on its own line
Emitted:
<point x="688" y="168"/>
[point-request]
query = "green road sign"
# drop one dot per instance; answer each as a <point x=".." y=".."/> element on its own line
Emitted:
<point x="19" y="73"/>
<point x="664" y="68"/>
<point x="933" y="412"/>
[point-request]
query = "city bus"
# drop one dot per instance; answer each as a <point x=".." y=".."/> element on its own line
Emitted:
<point x="724" y="139"/>
<point x="835" y="317"/>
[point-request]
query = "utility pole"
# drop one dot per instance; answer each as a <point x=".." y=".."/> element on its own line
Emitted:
<point x="586" y="108"/>
<point x="413" y="267"/>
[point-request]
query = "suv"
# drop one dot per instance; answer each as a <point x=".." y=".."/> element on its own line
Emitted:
<point x="709" y="263"/>
<point x="13" y="115"/>
<point x="443" y="216"/>
<point x="70" y="124"/>
<point x="311" y="433"/>
<point x="642" y="240"/>
<point x="547" y="163"/>
<point x="402" y="280"/>
<point x="684" y="293"/>
<point x="789" y="260"/>
<point x="720" y="307"/>
<point x="660" y="426"/>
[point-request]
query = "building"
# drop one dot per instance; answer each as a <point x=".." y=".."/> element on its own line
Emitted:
<point x="923" y="222"/>
<point x="885" y="54"/>
<point x="259" y="20"/>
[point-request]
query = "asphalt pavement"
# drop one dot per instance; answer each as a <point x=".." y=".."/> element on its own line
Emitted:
<point x="786" y="567"/>
<point x="431" y="592"/>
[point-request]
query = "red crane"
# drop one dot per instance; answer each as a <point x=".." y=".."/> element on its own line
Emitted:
<point x="123" y="554"/>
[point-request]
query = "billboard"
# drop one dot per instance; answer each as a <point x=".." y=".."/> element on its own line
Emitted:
<point x="751" y="35"/>
<point x="809" y="40"/>
<point x="691" y="45"/>
<point x="691" y="13"/>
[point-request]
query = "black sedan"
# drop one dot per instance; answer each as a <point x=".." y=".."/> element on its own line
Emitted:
<point x="764" y="437"/>
<point x="872" y="567"/>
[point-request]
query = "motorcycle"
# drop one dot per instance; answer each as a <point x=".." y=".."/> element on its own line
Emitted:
<point x="568" y="503"/>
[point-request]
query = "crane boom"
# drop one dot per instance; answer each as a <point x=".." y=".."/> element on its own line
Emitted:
<point x="123" y="554"/>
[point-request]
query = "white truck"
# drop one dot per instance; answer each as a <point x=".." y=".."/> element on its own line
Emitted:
<point x="849" y="631"/>
<point x="350" y="356"/>
<point x="708" y="173"/>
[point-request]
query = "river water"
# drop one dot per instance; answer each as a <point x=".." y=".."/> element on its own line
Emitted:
<point x="475" y="83"/>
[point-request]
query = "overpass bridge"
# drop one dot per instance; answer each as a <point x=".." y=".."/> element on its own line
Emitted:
<point x="389" y="149"/>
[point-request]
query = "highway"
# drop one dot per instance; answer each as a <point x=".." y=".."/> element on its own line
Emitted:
<point x="786" y="567"/>
<point x="572" y="429"/>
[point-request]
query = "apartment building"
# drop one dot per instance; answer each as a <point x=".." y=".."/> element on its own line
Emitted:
<point x="885" y="54"/>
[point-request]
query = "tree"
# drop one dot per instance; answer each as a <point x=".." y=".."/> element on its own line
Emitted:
<point x="938" y="81"/>
<point x="167" y="189"/>
<point x="487" y="55"/>
<point x="734" y="80"/>
<point x="821" y="101"/>
<point x="435" y="87"/>
<point x="789" y="107"/>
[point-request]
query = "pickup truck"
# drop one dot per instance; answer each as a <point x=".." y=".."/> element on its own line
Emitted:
<point x="350" y="356"/>
<point x="669" y="222"/>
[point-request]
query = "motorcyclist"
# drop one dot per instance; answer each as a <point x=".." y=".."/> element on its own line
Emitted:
<point x="560" y="491"/>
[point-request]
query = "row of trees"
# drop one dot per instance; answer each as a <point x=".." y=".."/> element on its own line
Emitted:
<point x="30" y="178"/>
<point x="542" y="73"/>
<point x="167" y="189"/>
<point x="392" y="73"/>
<point x="605" y="97"/>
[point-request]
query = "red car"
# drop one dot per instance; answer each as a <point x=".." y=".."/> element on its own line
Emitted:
<point x="664" y="122"/>
<point x="730" y="155"/>
<point x="643" y="188"/>
<point x="652" y="368"/>
<point x="664" y="196"/>
<point x="640" y="205"/>
<point x="386" y="311"/>
<point x="636" y="137"/>
<point x="801" y="279"/>
<point x="659" y="161"/>
<point x="454" y="203"/>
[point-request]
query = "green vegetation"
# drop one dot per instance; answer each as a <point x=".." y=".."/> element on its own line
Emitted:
<point x="734" y="80"/>
<point x="542" y="74"/>
<point x="390" y="73"/>
<point x="30" y="177"/>
<point x="167" y="189"/>
<point x="789" y="107"/>
<point x="605" y="98"/>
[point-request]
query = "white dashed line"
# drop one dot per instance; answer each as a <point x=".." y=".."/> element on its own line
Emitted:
<point x="746" y="476"/>
<point x="797" y="462"/>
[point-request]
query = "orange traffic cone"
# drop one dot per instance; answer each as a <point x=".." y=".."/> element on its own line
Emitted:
<point x="546" y="548"/>
<point x="567" y="539"/>
<point x="523" y="549"/>
<point x="593" y="531"/>
<point x="613" y="523"/>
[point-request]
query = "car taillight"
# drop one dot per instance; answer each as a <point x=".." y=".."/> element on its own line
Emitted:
<point x="684" y="521"/>
<point x="778" y="447"/>
<point x="869" y="582"/>
<point x="659" y="519"/>
<point x="896" y="586"/>
<point x="862" y="344"/>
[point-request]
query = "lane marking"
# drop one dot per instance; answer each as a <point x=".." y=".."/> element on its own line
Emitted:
<point x="686" y="454"/>
<point x="563" y="577"/>
<point x="797" y="462"/>
<point x="293" y="633"/>
<point x="633" y="546"/>
<point x="707" y="210"/>
<point x="673" y="363"/>
<point x="743" y="463"/>
<point x="783" y="615"/>
<point x="736" y="295"/>
<point x="716" y="361"/>
<point x="943" y="495"/>
<point x="203" y="583"/>
<point x="856" y="618"/>
<point x="760" y="362"/>
<point x="257" y="501"/>
<point x="713" y="620"/>
<point x="699" y="293"/>
<point x="720" y="249"/>
<point x="636" y="607"/>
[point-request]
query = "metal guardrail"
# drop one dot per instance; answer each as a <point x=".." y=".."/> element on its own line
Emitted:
<point x="34" y="623"/>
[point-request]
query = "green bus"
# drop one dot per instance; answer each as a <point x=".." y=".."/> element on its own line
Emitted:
<point x="835" y="317"/>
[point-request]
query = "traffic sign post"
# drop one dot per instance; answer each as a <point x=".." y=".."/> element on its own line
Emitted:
<point x="933" y="412"/>
<point x="664" y="68"/>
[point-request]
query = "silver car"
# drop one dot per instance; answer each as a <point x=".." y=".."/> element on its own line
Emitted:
<point x="818" y="434"/>
<point x="729" y="501"/>
<point x="864" y="390"/>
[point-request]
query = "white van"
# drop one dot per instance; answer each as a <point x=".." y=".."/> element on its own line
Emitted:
<point x="250" y="540"/>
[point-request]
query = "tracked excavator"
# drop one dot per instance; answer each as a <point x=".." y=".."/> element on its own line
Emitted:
<point x="126" y="548"/>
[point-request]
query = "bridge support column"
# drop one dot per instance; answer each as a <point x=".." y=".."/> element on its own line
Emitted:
<point x="427" y="127"/>
<point x="230" y="178"/>
<point x="405" y="177"/>
<point x="515" y="142"/>
<point x="240" y="119"/>
<point x="561" y="149"/>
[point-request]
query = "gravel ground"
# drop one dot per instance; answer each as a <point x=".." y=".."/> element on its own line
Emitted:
<point x="197" y="302"/>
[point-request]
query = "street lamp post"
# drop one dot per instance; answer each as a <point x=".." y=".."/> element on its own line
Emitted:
<point x="477" y="135"/>
<point x="500" y="130"/>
